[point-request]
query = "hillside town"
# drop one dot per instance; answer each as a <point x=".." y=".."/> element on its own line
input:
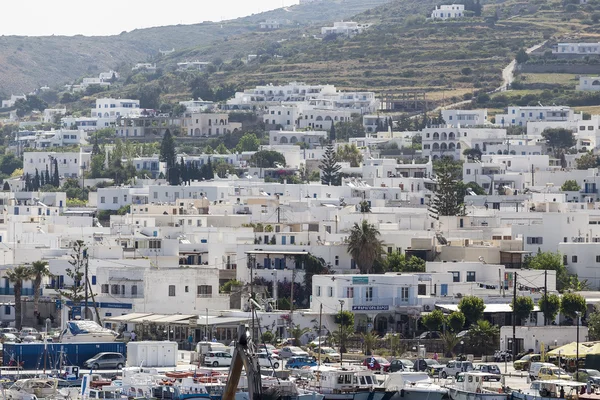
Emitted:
<point x="331" y="225"/>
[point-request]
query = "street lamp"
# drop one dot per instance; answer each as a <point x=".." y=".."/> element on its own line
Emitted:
<point x="341" y="334"/>
<point x="578" y="313"/>
<point x="462" y="348"/>
<point x="506" y="356"/>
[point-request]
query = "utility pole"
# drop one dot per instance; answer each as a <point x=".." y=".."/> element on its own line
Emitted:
<point x="545" y="294"/>
<point x="514" y="320"/>
<point x="319" y="331"/>
<point x="341" y="332"/>
<point x="292" y="296"/>
<point x="87" y="263"/>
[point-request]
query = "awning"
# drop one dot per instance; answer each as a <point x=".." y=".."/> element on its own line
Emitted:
<point x="127" y="317"/>
<point x="177" y="319"/>
<point x="489" y="308"/>
<point x="289" y="253"/>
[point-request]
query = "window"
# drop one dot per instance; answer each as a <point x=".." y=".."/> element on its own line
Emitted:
<point x="350" y="292"/>
<point x="154" y="244"/>
<point x="115" y="289"/>
<point x="115" y="200"/>
<point x="535" y="240"/>
<point x="134" y="290"/>
<point x="318" y="291"/>
<point x="104" y="288"/>
<point x="204" y="291"/>
<point x="574" y="259"/>
<point x="369" y="293"/>
<point x="171" y="290"/>
<point x="330" y="291"/>
<point x="455" y="276"/>
<point x="102" y="200"/>
<point x="598" y="259"/>
<point x="186" y="289"/>
<point x="470" y="276"/>
<point x="422" y="289"/>
<point x="404" y="294"/>
<point x="468" y="171"/>
<point x="337" y="261"/>
<point x="390" y="250"/>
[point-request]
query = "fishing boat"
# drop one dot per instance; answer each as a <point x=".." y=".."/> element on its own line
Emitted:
<point x="352" y="383"/>
<point x="86" y="331"/>
<point x="551" y="389"/>
<point x="413" y="386"/>
<point x="28" y="389"/>
<point x="476" y="386"/>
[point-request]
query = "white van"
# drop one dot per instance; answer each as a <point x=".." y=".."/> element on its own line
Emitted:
<point x="534" y="369"/>
<point x="207" y="347"/>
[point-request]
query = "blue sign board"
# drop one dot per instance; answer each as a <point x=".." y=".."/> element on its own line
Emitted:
<point x="69" y="303"/>
<point x="360" y="280"/>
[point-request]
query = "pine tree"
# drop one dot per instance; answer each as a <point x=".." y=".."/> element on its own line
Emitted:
<point x="330" y="169"/>
<point x="446" y="201"/>
<point x="47" y="176"/>
<point x="6" y="187"/>
<point x="56" y="177"/>
<point x="36" y="181"/>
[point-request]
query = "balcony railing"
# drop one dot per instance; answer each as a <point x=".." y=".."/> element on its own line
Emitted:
<point x="11" y="291"/>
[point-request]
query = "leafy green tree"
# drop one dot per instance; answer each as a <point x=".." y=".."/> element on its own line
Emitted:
<point x="570" y="185"/>
<point x="472" y="308"/>
<point x="312" y="266"/>
<point x="550" y="305"/>
<point x="473" y="154"/>
<point x="571" y="303"/>
<point x="16" y="276"/>
<point x="559" y="139"/>
<point x="248" y="142"/>
<point x="351" y="154"/>
<point x="547" y="260"/>
<point x="227" y="286"/>
<point x="364" y="246"/>
<point x="201" y="90"/>
<point x="456" y="321"/>
<point x="594" y="324"/>
<point x="522" y="56"/>
<point x="344" y="318"/>
<point x="398" y="262"/>
<point x="483" y="336"/>
<point x="221" y="149"/>
<point x="267" y="337"/>
<point x="267" y="159"/>
<point x="434" y="320"/>
<point x="522" y="307"/>
<point x="587" y="161"/>
<point x="350" y="129"/>
<point x="330" y="169"/>
<point x="10" y="163"/>
<point x="446" y="201"/>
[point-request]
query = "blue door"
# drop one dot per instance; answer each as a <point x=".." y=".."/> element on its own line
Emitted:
<point x="444" y="289"/>
<point x="267" y="263"/>
<point x="283" y="240"/>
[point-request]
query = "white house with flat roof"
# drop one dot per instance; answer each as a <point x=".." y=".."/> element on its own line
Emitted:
<point x="520" y="116"/>
<point x="465" y="117"/>
<point x="447" y="11"/>
<point x="591" y="83"/>
<point x="576" y="48"/>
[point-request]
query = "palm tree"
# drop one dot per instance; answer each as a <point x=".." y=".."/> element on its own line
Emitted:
<point x="369" y="340"/>
<point x="39" y="269"/>
<point x="16" y="276"/>
<point x="450" y="341"/>
<point x="296" y="332"/>
<point x="364" y="246"/>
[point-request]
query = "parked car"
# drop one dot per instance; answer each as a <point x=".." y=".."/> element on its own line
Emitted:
<point x="319" y="340"/>
<point x="106" y="360"/>
<point x="551" y="373"/>
<point x="403" y="365"/>
<point x="10" y="338"/>
<point x="269" y="348"/>
<point x="588" y="375"/>
<point x="29" y="332"/>
<point x="428" y="365"/>
<point x="328" y="354"/>
<point x="12" y="330"/>
<point x="453" y="368"/>
<point x="376" y="363"/>
<point x="218" y="359"/>
<point x="523" y="363"/>
<point x="534" y="368"/>
<point x="292" y="351"/>
<point x="300" y="361"/>
<point x="268" y="360"/>
<point x="489" y="369"/>
<point x="430" y="335"/>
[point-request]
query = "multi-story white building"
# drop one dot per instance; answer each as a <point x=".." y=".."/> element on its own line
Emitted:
<point x="113" y="108"/>
<point x="47" y="140"/>
<point x="70" y="165"/>
<point x="208" y="124"/>
<point x="444" y="140"/>
<point x="465" y="117"/>
<point x="51" y="113"/>
<point x="576" y="48"/>
<point x="520" y="116"/>
<point x="311" y="138"/>
<point x="448" y="11"/>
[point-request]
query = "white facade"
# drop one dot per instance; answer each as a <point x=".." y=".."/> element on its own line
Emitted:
<point x="444" y="140"/>
<point x="51" y="113"/>
<point x="113" y="108"/>
<point x="70" y="165"/>
<point x="465" y="117"/>
<point x="591" y="83"/>
<point x="520" y="116"/>
<point x="348" y="28"/>
<point x="311" y="138"/>
<point x="448" y="11"/>
<point x="208" y="124"/>
<point x="13" y="99"/>
<point x="576" y="48"/>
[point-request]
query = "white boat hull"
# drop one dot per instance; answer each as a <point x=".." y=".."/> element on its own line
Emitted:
<point x="416" y="393"/>
<point x="459" y="394"/>
<point x="88" y="338"/>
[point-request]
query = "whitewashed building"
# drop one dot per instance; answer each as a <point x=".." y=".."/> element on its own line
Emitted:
<point x="448" y="11"/>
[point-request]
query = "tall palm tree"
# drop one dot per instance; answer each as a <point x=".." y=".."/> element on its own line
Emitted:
<point x="39" y="269"/>
<point x="297" y="332"/>
<point x="364" y="246"/>
<point x="16" y="276"/>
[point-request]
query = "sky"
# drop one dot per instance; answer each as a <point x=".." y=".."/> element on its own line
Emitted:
<point x="111" y="17"/>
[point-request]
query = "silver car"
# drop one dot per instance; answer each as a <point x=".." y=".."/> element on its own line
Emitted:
<point x="106" y="360"/>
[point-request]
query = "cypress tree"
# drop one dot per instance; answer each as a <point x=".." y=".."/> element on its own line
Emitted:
<point x="47" y="176"/>
<point x="42" y="180"/>
<point x="332" y="132"/>
<point x="330" y="169"/>
<point x="209" y="170"/>
<point x="56" y="177"/>
<point x="36" y="180"/>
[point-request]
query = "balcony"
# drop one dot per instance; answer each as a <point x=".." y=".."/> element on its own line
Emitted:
<point x="11" y="291"/>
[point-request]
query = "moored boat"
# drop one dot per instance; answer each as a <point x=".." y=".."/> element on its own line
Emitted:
<point x="413" y="386"/>
<point x="476" y="386"/>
